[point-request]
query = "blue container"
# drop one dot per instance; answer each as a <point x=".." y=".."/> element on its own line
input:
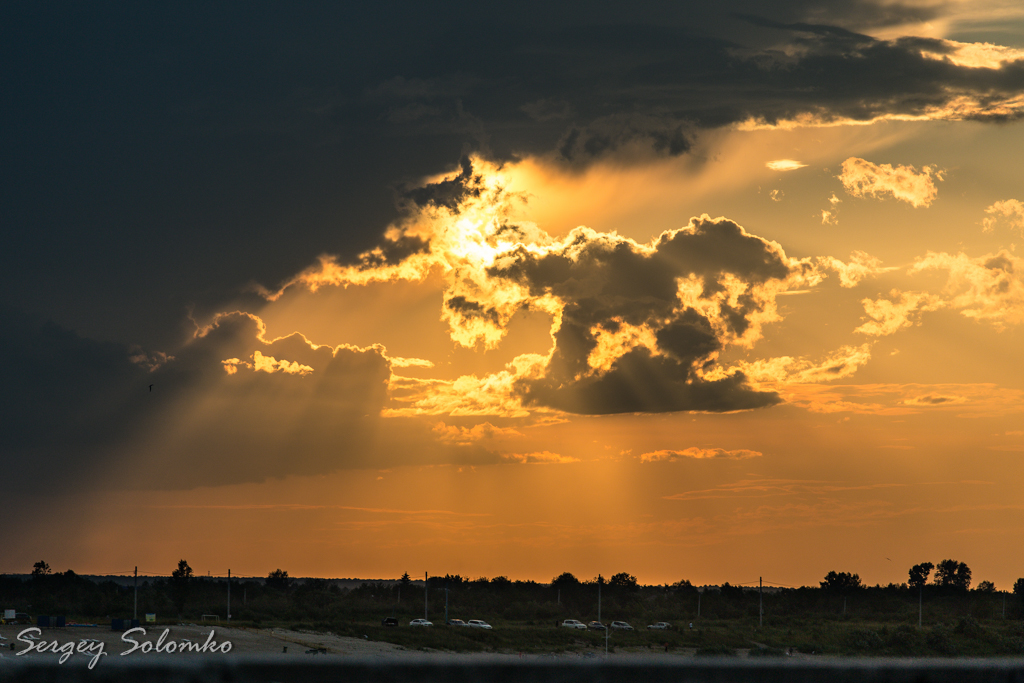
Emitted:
<point x="60" y="622"/>
<point x="43" y="622"/>
<point x="135" y="623"/>
<point x="117" y="625"/>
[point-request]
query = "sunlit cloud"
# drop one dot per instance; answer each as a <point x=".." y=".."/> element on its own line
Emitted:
<point x="974" y="55"/>
<point x="539" y="458"/>
<point x="635" y="327"/>
<point x="988" y="288"/>
<point x="775" y="372"/>
<point x="862" y="178"/>
<point x="830" y="216"/>
<point x="1010" y="211"/>
<point x="969" y="400"/>
<point x="860" y="266"/>
<point x="890" y="316"/>
<point x="695" y="453"/>
<point x="466" y="435"/>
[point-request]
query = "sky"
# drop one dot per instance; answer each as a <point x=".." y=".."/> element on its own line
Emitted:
<point x="691" y="292"/>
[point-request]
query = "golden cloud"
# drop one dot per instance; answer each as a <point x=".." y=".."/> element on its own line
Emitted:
<point x="861" y="265"/>
<point x="862" y="178"/>
<point x="987" y="288"/>
<point x="539" y="458"/>
<point x="975" y="55"/>
<point x="1011" y="210"/>
<point x="466" y="435"/>
<point x="695" y="453"/>
<point x="634" y="326"/>
<point x="888" y="317"/>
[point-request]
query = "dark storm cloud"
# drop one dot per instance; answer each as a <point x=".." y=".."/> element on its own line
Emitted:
<point x="84" y="412"/>
<point x="167" y="146"/>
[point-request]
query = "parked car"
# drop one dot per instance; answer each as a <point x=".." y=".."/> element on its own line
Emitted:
<point x="457" y="622"/>
<point x="477" y="623"/>
<point x="621" y="626"/>
<point x="572" y="623"/>
<point x="661" y="626"/>
<point x="389" y="621"/>
<point x="596" y="626"/>
<point x="420" y="622"/>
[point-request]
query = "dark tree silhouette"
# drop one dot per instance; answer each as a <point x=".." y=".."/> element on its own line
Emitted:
<point x="181" y="585"/>
<point x="624" y="581"/>
<point x="40" y="568"/>
<point x="565" y="580"/>
<point x="278" y="580"/>
<point x="841" y="582"/>
<point x="919" y="574"/>
<point x="405" y="580"/>
<point x="953" y="574"/>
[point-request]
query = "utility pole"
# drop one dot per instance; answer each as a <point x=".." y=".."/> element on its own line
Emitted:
<point x="425" y="596"/>
<point x="229" y="595"/>
<point x="446" y="604"/>
<point x="760" y="602"/>
<point x="135" y="610"/>
<point x="599" y="597"/>
<point x="920" y="603"/>
<point x="699" y="593"/>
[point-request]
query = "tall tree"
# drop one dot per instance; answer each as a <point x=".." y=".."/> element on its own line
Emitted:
<point x="919" y="574"/>
<point x="278" y="580"/>
<point x="624" y="581"/>
<point x="40" y="568"/>
<point x="565" y="580"/>
<point x="841" y="582"/>
<point x="953" y="574"/>
<point x="181" y="585"/>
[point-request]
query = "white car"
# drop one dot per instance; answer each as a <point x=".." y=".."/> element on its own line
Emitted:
<point x="420" y="622"/>
<point x="621" y="626"/>
<point x="661" y="626"/>
<point x="572" y="623"/>
<point x="477" y="623"/>
<point x="457" y="622"/>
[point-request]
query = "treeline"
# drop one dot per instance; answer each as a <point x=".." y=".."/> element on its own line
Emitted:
<point x="282" y="599"/>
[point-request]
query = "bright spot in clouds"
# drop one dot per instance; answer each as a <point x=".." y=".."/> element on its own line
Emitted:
<point x="785" y="165"/>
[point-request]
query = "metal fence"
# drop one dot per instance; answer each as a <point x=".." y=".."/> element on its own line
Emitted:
<point x="245" y="669"/>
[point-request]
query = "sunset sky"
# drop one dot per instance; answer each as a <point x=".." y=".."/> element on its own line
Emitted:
<point x="690" y="292"/>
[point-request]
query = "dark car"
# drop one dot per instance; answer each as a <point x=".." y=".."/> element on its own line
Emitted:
<point x="389" y="621"/>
